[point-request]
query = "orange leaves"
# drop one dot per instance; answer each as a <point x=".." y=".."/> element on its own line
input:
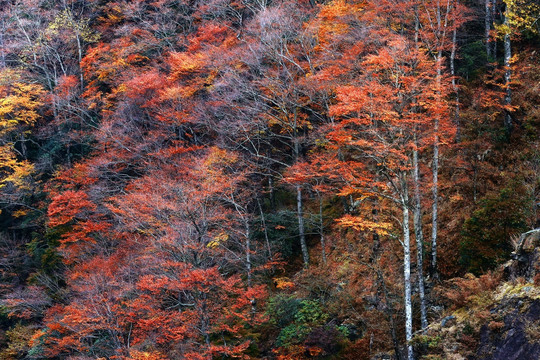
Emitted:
<point x="351" y="99"/>
<point x="210" y="34"/>
<point x="143" y="89"/>
<point x="334" y="20"/>
<point x="68" y="206"/>
<point x="383" y="59"/>
<point x="183" y="64"/>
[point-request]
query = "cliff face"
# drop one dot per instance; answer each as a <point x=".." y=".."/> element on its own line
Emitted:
<point x="519" y="336"/>
<point x="497" y="317"/>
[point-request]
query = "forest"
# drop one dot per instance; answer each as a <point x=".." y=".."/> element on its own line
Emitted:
<point x="269" y="179"/>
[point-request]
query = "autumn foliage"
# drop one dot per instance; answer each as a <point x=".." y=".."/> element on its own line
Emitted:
<point x="257" y="179"/>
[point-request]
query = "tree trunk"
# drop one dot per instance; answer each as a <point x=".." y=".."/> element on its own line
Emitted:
<point x="249" y="269"/>
<point x="507" y="75"/>
<point x="248" y="255"/>
<point x="390" y="313"/>
<point x="2" y="50"/>
<point x="435" y="186"/>
<point x="454" y="84"/>
<point x="419" y="236"/>
<point x="299" y="205"/>
<point x="272" y="193"/>
<point x="487" y="24"/>
<point x="263" y="221"/>
<point x="493" y="16"/>
<point x="301" y="231"/>
<point x="407" y="270"/>
<point x="321" y="229"/>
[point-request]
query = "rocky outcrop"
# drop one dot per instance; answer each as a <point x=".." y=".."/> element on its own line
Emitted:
<point x="525" y="259"/>
<point x="499" y="322"/>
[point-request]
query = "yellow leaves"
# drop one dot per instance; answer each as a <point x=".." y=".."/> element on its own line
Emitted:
<point x="66" y="21"/>
<point x="19" y="103"/>
<point x="20" y="171"/>
<point x="21" y="213"/>
<point x="503" y="29"/>
<point x="218" y="239"/>
<point x="19" y="108"/>
<point x="359" y="223"/>
<point x="145" y="355"/>
<point x="13" y="171"/>
<point x="122" y="88"/>
<point x="522" y="15"/>
<point x="219" y="158"/>
<point x="283" y="283"/>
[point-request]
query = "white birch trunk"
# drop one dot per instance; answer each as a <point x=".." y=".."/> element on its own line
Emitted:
<point x="301" y="230"/>
<point x="419" y="237"/>
<point x="435" y="186"/>
<point x="407" y="271"/>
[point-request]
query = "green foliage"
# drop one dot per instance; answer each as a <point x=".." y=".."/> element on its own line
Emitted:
<point x="282" y="230"/>
<point x="430" y="342"/>
<point x="344" y="330"/>
<point x="282" y="309"/>
<point x="37" y="350"/>
<point x="18" y="342"/>
<point x="296" y="318"/>
<point x="485" y="234"/>
<point x="310" y="312"/>
<point x="43" y="248"/>
<point x="472" y="60"/>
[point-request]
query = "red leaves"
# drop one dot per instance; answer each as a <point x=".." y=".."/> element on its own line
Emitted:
<point x="67" y="86"/>
<point x="69" y="206"/>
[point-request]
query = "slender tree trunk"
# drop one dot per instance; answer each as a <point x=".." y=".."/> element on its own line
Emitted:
<point x="263" y="220"/>
<point x="508" y="74"/>
<point x="487" y="24"/>
<point x="321" y="229"/>
<point x="435" y="186"/>
<point x="418" y="230"/>
<point x="299" y="205"/>
<point x="2" y="44"/>
<point x="301" y="231"/>
<point x="272" y="193"/>
<point x="80" y="53"/>
<point x="248" y="255"/>
<point x="434" y="220"/>
<point x="493" y="17"/>
<point x="249" y="268"/>
<point x="389" y="308"/>
<point x="390" y="313"/>
<point x="419" y="236"/>
<point x="407" y="269"/>
<point x="454" y="84"/>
